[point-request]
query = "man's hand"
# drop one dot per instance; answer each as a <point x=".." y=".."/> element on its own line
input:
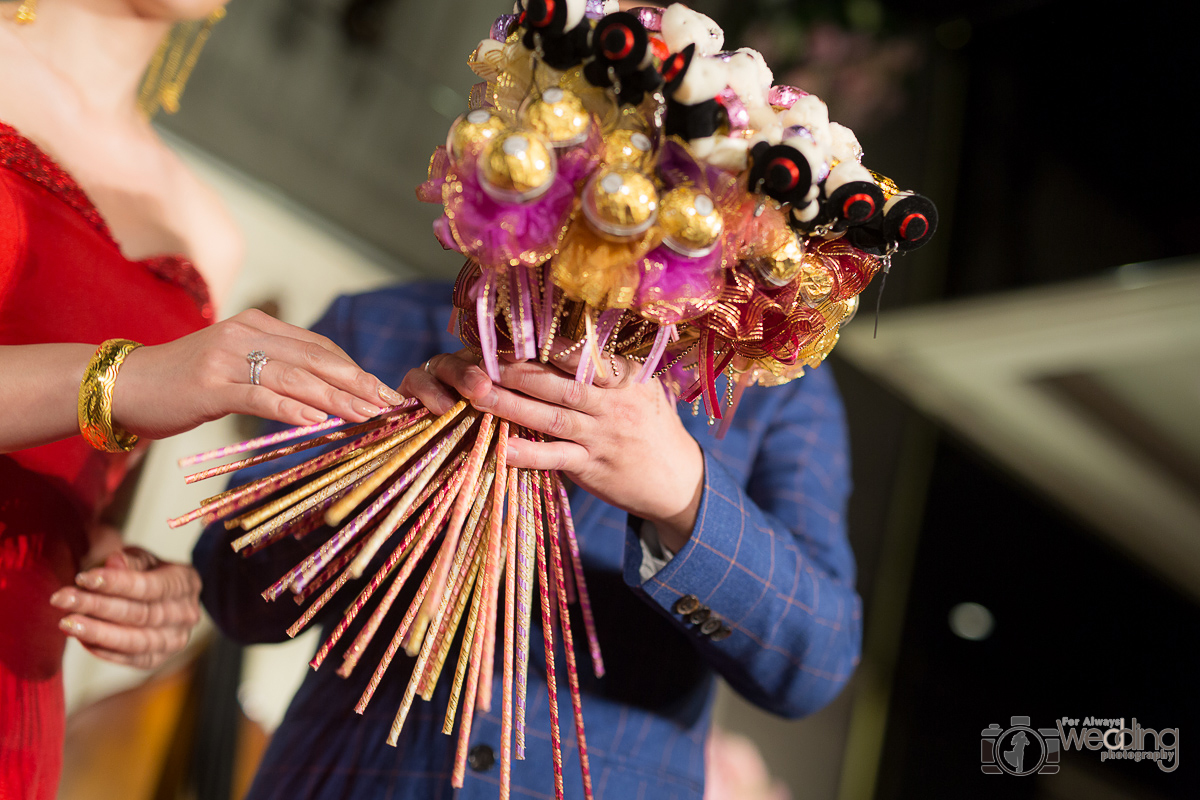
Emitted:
<point x="134" y="610"/>
<point x="619" y="439"/>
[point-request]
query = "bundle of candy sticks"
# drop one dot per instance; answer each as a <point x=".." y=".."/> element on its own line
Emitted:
<point x="444" y="477"/>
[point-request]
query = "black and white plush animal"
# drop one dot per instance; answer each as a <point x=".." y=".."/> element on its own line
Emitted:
<point x="622" y="58"/>
<point x="691" y="84"/>
<point x="557" y="29"/>
<point x="907" y="222"/>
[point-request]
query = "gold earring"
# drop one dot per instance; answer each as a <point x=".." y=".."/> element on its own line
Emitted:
<point x="172" y="65"/>
<point x="26" y="12"/>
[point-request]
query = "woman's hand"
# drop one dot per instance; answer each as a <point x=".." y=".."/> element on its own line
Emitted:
<point x="619" y="439"/>
<point x="171" y="388"/>
<point x="134" y="610"/>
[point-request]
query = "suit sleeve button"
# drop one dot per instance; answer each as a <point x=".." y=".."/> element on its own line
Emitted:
<point x="721" y="634"/>
<point x="687" y="604"/>
<point x="710" y="626"/>
<point x="700" y="615"/>
<point x="481" y="758"/>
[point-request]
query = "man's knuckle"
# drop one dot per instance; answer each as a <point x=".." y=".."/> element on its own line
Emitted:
<point x="560" y="423"/>
<point x="574" y="393"/>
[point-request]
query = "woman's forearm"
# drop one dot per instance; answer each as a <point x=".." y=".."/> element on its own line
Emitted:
<point x="39" y="393"/>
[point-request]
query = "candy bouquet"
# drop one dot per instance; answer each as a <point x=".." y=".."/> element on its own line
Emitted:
<point x="622" y="182"/>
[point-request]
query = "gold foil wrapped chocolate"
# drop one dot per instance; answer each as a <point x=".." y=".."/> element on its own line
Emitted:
<point x="471" y="132"/>
<point x="516" y="166"/>
<point x="690" y="222"/>
<point x="816" y="284"/>
<point x="620" y="202"/>
<point x="558" y="115"/>
<point x="780" y="266"/>
<point x="626" y="148"/>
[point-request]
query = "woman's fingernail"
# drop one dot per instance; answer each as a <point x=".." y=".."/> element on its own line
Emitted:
<point x="366" y="408"/>
<point x="71" y="625"/>
<point x="488" y="401"/>
<point x="64" y="598"/>
<point x="90" y="580"/>
<point x="512" y="451"/>
<point x="314" y="416"/>
<point x="390" y="396"/>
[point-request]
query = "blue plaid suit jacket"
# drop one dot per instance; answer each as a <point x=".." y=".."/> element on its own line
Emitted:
<point x="769" y="556"/>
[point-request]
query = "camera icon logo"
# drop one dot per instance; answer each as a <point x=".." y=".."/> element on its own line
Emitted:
<point x="1019" y="750"/>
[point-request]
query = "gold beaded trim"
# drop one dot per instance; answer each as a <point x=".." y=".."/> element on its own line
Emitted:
<point x="95" y="398"/>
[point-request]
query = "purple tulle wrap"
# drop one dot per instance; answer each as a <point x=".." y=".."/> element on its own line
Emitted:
<point x="498" y="234"/>
<point x="675" y="288"/>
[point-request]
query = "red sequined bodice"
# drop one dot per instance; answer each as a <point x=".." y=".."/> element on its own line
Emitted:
<point x="62" y="279"/>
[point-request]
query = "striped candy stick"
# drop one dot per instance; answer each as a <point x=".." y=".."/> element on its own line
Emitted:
<point x="362" y="456"/>
<point x="414" y="545"/>
<point x="460" y="594"/>
<point x="347" y="457"/>
<point x="439" y="452"/>
<point x="285" y="435"/>
<point x="311" y="567"/>
<point x="416" y="479"/>
<point x="441" y="484"/>
<point x="491" y="575"/>
<point x="339" y="512"/>
<point x="533" y="499"/>
<point x="585" y="604"/>
<point x="478" y="646"/>
<point x="378" y="423"/>
<point x="468" y="554"/>
<point x="510" y="595"/>
<point x="367" y="591"/>
<point x="390" y="522"/>
<point x="525" y="567"/>
<point x="568" y="640"/>
<point x="270" y="517"/>
<point x="469" y="595"/>
<point x="278" y="523"/>
<point x="441" y="565"/>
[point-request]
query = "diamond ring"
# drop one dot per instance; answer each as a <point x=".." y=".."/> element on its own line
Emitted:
<point x="258" y="360"/>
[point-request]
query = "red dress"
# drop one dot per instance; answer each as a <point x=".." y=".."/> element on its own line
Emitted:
<point x="62" y="279"/>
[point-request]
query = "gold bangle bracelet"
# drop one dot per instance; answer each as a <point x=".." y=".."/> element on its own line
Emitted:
<point x="96" y="394"/>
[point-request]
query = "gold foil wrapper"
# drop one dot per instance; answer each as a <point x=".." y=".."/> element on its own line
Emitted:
<point x="780" y="266"/>
<point x="690" y="221"/>
<point x="471" y="132"/>
<point x="816" y="284"/>
<point x="517" y="162"/>
<point x="627" y="148"/>
<point x="620" y="202"/>
<point x="559" y="116"/>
